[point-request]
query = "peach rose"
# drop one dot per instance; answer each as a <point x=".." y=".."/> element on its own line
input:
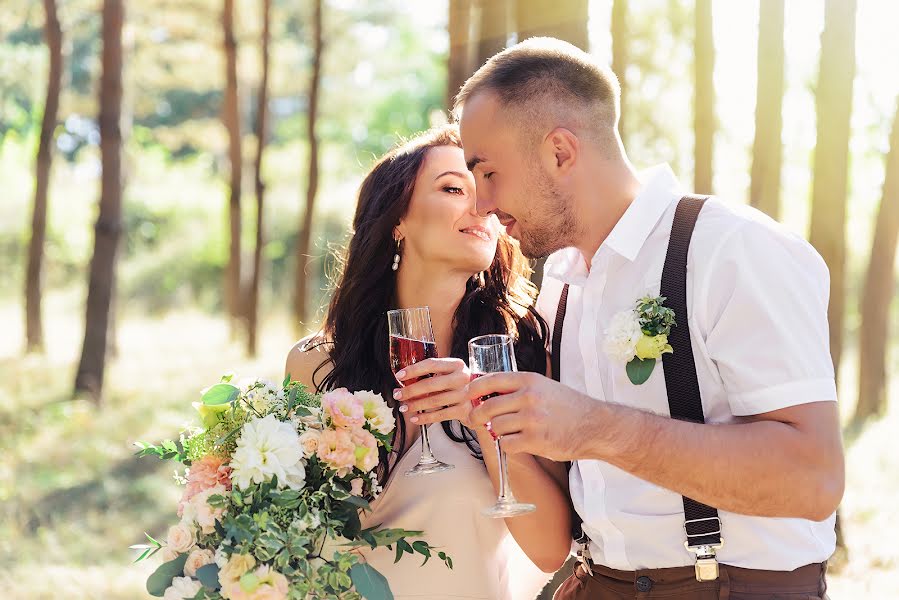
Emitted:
<point x="181" y="538"/>
<point x="309" y="441"/>
<point x="196" y="559"/>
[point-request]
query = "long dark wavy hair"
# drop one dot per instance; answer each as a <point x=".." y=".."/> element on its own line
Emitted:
<point x="498" y="300"/>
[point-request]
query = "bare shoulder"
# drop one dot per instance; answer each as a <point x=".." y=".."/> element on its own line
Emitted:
<point x="305" y="358"/>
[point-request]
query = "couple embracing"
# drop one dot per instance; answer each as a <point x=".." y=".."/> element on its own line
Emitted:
<point x="674" y="416"/>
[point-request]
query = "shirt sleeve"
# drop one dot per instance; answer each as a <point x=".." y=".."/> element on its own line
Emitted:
<point x="766" y="295"/>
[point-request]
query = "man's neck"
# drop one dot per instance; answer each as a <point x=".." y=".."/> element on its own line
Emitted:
<point x="603" y="196"/>
<point x="440" y="290"/>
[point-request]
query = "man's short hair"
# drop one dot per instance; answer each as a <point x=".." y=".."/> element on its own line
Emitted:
<point x="551" y="82"/>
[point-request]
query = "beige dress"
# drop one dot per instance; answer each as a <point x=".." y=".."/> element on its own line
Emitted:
<point x="487" y="563"/>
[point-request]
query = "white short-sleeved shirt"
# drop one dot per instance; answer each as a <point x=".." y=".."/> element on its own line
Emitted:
<point x="757" y="301"/>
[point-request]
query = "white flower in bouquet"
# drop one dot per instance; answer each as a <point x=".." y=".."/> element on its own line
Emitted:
<point x="196" y="559"/>
<point x="181" y="537"/>
<point x="268" y="447"/>
<point x="622" y="336"/>
<point x="377" y="414"/>
<point x="182" y="588"/>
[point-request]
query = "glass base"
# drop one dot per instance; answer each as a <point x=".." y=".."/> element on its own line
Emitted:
<point x="426" y="468"/>
<point x="501" y="509"/>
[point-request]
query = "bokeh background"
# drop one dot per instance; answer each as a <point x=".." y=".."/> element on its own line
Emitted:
<point x="134" y="270"/>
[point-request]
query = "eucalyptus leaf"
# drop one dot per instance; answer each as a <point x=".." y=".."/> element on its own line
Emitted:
<point x="162" y="578"/>
<point x="209" y="576"/>
<point x="370" y="583"/>
<point x="220" y="393"/>
<point x="639" y="370"/>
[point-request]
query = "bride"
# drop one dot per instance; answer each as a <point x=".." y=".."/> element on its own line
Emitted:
<point x="417" y="207"/>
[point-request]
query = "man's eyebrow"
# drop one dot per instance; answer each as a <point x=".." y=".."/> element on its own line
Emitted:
<point x="475" y="161"/>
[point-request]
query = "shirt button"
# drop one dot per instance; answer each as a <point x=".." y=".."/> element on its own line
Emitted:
<point x="644" y="583"/>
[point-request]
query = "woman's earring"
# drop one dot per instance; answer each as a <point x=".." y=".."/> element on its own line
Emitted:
<point x="396" y="257"/>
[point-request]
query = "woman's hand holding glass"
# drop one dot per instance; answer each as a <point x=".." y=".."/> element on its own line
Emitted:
<point x="440" y="397"/>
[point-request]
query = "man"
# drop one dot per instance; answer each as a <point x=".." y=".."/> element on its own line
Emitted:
<point x="539" y="129"/>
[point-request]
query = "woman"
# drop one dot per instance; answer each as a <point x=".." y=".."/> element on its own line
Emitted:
<point x="418" y="241"/>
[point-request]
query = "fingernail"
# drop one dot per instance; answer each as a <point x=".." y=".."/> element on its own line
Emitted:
<point x="401" y="374"/>
<point x="397" y="394"/>
<point x="414" y="419"/>
<point x="404" y="408"/>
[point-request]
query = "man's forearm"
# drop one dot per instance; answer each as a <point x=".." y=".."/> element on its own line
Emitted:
<point x="764" y="468"/>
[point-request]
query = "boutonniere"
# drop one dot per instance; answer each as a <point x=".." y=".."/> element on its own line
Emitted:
<point x="639" y="337"/>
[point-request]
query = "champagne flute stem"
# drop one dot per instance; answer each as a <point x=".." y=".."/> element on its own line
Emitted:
<point x="505" y="494"/>
<point x="426" y="454"/>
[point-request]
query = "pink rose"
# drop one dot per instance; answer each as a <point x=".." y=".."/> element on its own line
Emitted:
<point x="337" y="450"/>
<point x="366" y="450"/>
<point x="181" y="538"/>
<point x="344" y="409"/>
<point x="198" y="510"/>
<point x="208" y="472"/>
<point x="196" y="559"/>
<point x="356" y="486"/>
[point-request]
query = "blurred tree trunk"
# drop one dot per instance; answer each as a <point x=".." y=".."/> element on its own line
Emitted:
<point x="89" y="377"/>
<point x="619" y="56"/>
<point x="833" y="100"/>
<point x="34" y="330"/>
<point x="460" y="65"/>
<point x="261" y="115"/>
<point x="764" y="192"/>
<point x="704" y="98"/>
<point x="880" y="285"/>
<point x="491" y="21"/>
<point x="301" y="310"/>
<point x="231" y="120"/>
<point x="562" y="19"/>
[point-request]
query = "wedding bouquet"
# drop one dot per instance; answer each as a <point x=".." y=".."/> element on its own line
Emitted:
<point x="275" y="480"/>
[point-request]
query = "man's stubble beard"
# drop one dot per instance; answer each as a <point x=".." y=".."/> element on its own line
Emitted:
<point x="551" y="222"/>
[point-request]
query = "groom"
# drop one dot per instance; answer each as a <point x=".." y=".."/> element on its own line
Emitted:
<point x="736" y="494"/>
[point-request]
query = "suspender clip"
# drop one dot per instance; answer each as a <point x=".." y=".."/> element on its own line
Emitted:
<point x="706" y="560"/>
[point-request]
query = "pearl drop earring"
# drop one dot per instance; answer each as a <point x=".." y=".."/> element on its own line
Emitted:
<point x="396" y="257"/>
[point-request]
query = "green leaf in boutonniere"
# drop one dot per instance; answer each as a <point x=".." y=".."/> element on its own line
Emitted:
<point x="639" y="370"/>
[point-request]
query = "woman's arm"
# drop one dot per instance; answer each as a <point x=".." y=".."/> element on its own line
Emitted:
<point x="545" y="534"/>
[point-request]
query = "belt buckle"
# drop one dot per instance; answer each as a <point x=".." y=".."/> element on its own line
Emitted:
<point x="583" y="557"/>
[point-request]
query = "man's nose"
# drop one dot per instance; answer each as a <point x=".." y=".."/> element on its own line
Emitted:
<point x="484" y="204"/>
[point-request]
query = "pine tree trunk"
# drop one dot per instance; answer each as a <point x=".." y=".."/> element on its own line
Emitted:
<point x="491" y="20"/>
<point x="833" y="101"/>
<point x="301" y="315"/>
<point x="704" y="99"/>
<point x="562" y="19"/>
<point x="878" y="294"/>
<point x="460" y="65"/>
<point x="89" y="377"/>
<point x="764" y="192"/>
<point x="34" y="330"/>
<point x="619" y="57"/>
<point x="261" y="116"/>
<point x="231" y="121"/>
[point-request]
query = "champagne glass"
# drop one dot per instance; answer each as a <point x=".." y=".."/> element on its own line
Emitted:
<point x="496" y="354"/>
<point x="411" y="341"/>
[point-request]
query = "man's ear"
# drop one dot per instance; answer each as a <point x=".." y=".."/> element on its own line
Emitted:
<point x="560" y="150"/>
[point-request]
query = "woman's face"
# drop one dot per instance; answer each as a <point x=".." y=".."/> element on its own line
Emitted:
<point x="442" y="225"/>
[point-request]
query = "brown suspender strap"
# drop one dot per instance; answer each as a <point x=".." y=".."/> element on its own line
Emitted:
<point x="702" y="525"/>
<point x="556" y="358"/>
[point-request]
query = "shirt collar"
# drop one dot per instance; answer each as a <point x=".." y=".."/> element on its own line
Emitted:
<point x="659" y="189"/>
